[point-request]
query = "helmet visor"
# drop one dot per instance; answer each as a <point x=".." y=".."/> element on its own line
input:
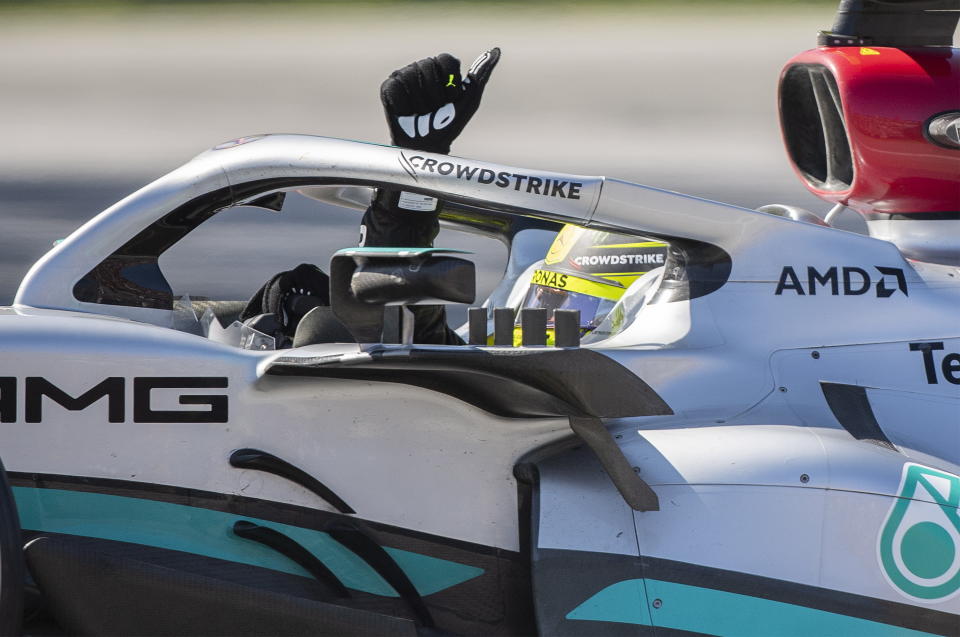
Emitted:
<point x="592" y="308"/>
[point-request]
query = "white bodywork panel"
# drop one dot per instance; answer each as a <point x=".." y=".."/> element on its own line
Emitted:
<point x="377" y="445"/>
<point x="753" y="470"/>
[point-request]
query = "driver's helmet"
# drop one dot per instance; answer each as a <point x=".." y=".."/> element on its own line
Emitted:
<point x="589" y="270"/>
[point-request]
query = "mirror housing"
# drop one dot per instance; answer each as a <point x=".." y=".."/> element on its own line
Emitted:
<point x="364" y="280"/>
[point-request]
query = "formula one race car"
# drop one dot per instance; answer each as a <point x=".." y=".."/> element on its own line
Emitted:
<point x="761" y="437"/>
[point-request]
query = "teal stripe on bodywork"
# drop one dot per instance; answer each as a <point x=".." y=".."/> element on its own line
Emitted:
<point x="206" y="532"/>
<point x="714" y="612"/>
<point x="623" y="602"/>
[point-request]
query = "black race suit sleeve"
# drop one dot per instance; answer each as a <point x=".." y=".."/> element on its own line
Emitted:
<point x="386" y="225"/>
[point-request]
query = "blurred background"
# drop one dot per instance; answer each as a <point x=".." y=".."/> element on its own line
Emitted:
<point x="100" y="98"/>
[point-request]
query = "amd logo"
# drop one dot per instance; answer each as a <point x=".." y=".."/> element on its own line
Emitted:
<point x="35" y="388"/>
<point x="843" y="281"/>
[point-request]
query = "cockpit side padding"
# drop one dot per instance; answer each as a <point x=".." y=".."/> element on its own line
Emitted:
<point x="320" y="325"/>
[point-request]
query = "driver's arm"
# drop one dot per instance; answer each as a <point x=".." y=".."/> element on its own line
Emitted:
<point x="427" y="104"/>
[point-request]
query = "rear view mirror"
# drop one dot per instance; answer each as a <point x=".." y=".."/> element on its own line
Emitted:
<point x="419" y="281"/>
<point x="364" y="280"/>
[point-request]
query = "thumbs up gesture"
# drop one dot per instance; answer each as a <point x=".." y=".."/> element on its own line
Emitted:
<point x="427" y="103"/>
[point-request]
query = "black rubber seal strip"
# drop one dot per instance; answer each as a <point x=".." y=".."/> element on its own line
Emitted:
<point x="368" y="550"/>
<point x="267" y="462"/>
<point x="293" y="550"/>
<point x="851" y="408"/>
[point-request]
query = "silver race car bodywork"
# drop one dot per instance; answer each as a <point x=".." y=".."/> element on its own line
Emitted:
<point x="783" y="395"/>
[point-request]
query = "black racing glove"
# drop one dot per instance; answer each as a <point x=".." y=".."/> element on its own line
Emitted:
<point x="427" y="103"/>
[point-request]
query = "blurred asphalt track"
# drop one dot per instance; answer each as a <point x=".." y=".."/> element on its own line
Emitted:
<point x="96" y="104"/>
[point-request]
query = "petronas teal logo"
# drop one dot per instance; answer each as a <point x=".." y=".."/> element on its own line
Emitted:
<point x="919" y="545"/>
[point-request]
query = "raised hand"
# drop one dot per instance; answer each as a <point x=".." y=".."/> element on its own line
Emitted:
<point x="427" y="103"/>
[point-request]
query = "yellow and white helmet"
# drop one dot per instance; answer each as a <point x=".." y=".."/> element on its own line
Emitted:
<point x="589" y="270"/>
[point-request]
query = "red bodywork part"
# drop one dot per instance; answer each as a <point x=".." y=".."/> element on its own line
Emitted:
<point x="888" y="95"/>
